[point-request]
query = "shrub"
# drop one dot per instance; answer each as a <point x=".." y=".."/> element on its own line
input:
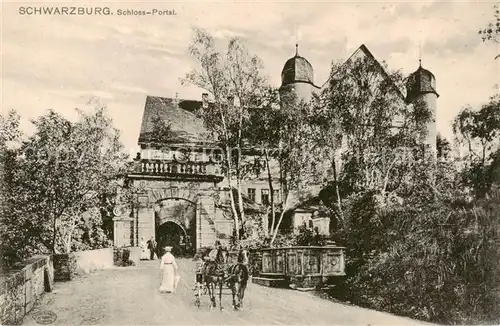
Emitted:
<point x="308" y="237"/>
<point x="438" y="263"/>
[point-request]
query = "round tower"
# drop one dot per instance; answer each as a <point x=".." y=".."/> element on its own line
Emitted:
<point x="297" y="79"/>
<point x="421" y="90"/>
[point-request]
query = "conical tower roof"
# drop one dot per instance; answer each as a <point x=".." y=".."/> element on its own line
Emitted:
<point x="419" y="82"/>
<point x="297" y="69"/>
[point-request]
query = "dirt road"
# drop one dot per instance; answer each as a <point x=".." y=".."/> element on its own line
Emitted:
<point x="129" y="296"/>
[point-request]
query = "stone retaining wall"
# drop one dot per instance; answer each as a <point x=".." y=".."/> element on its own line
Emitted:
<point x="27" y="281"/>
<point x="81" y="262"/>
<point x="22" y="287"/>
<point x="92" y="260"/>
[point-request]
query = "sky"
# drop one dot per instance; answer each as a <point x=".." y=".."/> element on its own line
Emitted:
<point x="61" y="62"/>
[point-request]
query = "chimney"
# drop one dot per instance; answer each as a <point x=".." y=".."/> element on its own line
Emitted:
<point x="204" y="100"/>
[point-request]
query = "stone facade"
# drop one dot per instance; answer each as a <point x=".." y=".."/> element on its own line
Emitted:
<point x="93" y="260"/>
<point x="189" y="204"/>
<point x="22" y="288"/>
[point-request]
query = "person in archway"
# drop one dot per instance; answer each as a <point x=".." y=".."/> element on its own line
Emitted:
<point x="169" y="268"/>
<point x="152" y="248"/>
<point x="144" y="249"/>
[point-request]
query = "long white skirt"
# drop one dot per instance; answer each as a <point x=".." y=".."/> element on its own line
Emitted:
<point x="144" y="253"/>
<point x="168" y="278"/>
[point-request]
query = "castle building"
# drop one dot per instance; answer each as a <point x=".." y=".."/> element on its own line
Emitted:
<point x="181" y="193"/>
<point x="421" y="88"/>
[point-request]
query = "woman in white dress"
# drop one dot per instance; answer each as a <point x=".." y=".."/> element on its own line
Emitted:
<point x="144" y="249"/>
<point x="169" y="269"/>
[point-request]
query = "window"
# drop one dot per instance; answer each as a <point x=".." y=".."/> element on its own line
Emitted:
<point x="265" y="196"/>
<point x="251" y="193"/>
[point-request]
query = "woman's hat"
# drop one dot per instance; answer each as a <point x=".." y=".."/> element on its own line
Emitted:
<point x="168" y="248"/>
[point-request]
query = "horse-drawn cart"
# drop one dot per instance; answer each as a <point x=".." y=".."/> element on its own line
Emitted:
<point x="229" y="273"/>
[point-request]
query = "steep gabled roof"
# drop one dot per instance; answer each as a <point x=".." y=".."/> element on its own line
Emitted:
<point x="185" y="126"/>
<point x="364" y="50"/>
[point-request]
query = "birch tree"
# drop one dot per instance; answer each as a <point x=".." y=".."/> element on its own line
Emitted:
<point x="235" y="82"/>
<point x="299" y="158"/>
<point x="263" y="132"/>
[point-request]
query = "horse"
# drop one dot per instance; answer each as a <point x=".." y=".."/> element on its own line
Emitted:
<point x="214" y="275"/>
<point x="238" y="277"/>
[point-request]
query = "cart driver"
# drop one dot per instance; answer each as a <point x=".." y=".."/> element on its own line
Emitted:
<point x="214" y="253"/>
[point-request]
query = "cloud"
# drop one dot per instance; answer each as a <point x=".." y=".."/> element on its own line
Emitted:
<point x="387" y="13"/>
<point x="385" y="49"/>
<point x="438" y="8"/>
<point x="459" y="44"/>
<point x="121" y="59"/>
<point x="128" y="89"/>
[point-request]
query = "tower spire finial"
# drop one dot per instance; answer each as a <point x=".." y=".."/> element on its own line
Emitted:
<point x="420" y="55"/>
<point x="296" y="39"/>
<point x="420" y="51"/>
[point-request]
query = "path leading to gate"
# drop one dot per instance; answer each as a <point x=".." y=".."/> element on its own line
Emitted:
<point x="129" y="295"/>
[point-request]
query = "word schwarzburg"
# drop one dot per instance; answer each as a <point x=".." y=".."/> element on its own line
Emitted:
<point x="63" y="11"/>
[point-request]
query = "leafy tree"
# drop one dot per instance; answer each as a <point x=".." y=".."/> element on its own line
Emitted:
<point x="263" y="132"/>
<point x="443" y="147"/>
<point x="478" y="132"/>
<point x="439" y="263"/>
<point x="234" y="80"/>
<point x="371" y="136"/>
<point x="14" y="241"/>
<point x="9" y="128"/>
<point x="423" y="254"/>
<point x="492" y="32"/>
<point x="62" y="170"/>
<point x="300" y="169"/>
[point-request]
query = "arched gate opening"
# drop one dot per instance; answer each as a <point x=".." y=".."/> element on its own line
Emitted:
<point x="175" y="225"/>
<point x="174" y="235"/>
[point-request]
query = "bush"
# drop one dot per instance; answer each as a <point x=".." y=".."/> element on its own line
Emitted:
<point x="308" y="237"/>
<point x="122" y="257"/>
<point x="438" y="263"/>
